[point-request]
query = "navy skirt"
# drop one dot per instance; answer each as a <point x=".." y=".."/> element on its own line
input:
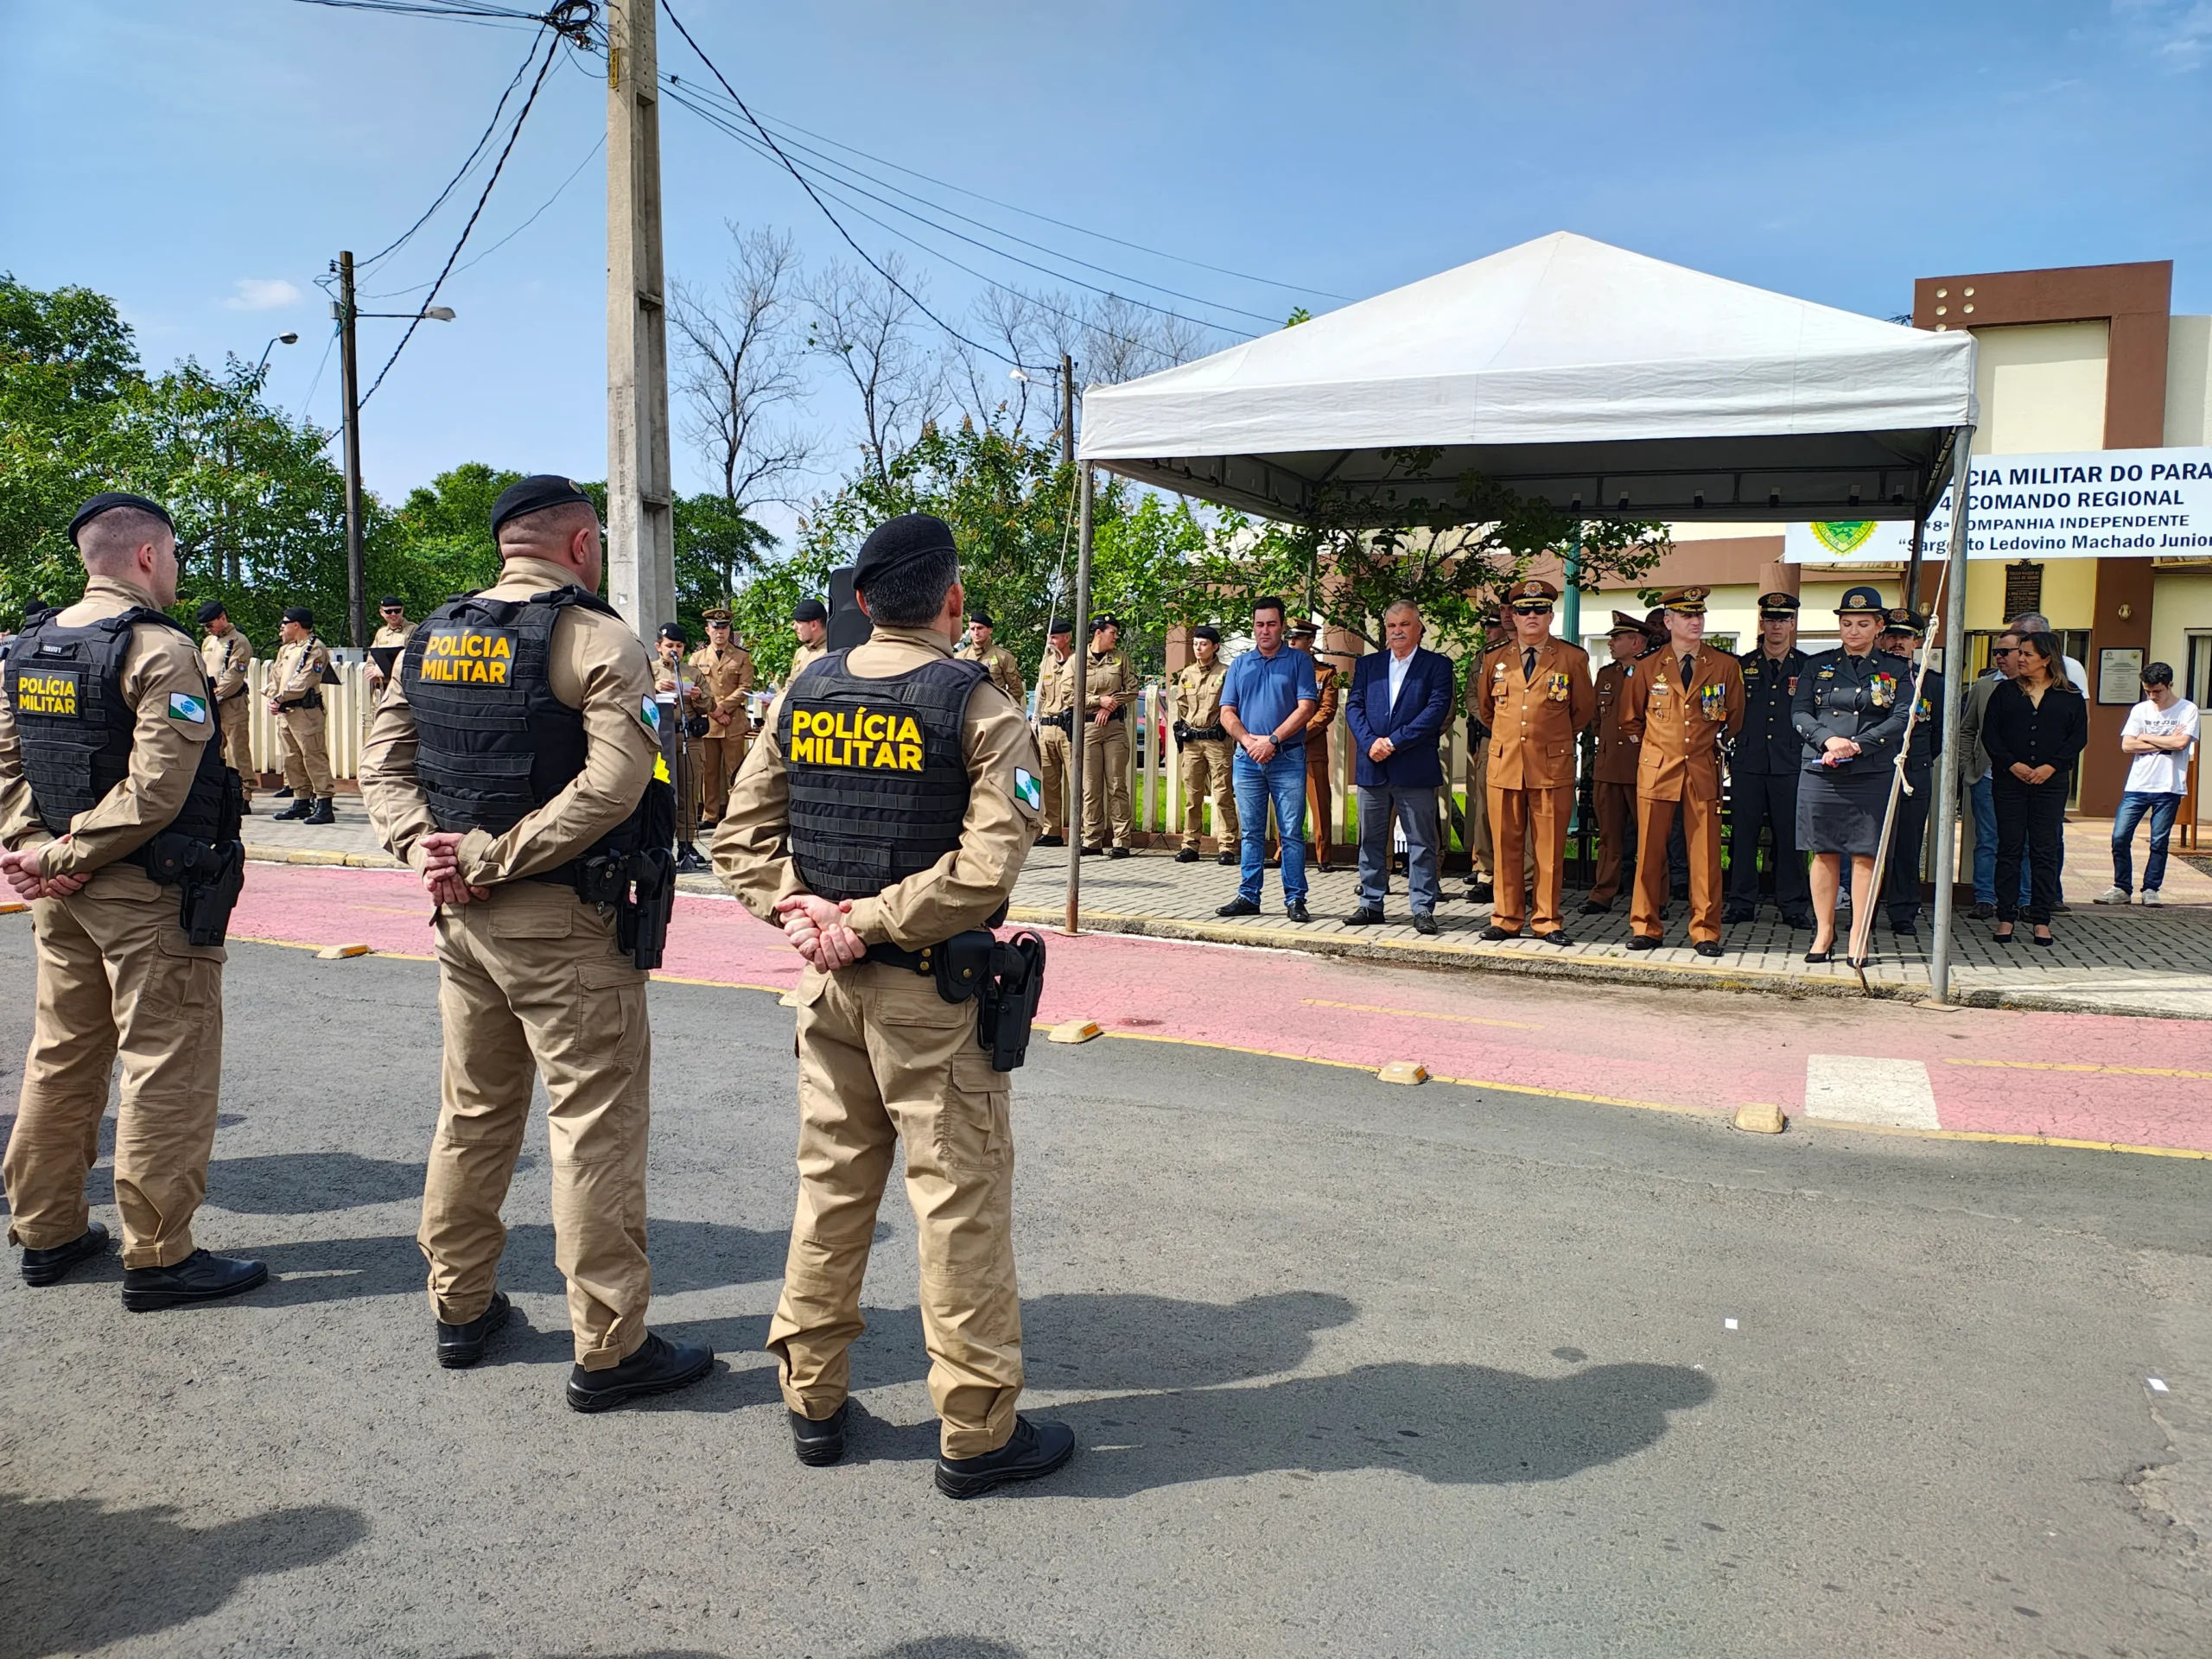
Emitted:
<point x="1841" y="811"/>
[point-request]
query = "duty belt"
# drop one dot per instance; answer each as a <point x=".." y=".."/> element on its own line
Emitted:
<point x="922" y="961"/>
<point x="1208" y="734"/>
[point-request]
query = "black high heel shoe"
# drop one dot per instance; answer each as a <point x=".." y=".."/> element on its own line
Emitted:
<point x="2043" y="939"/>
<point x="1817" y="957"/>
<point x="2005" y="937"/>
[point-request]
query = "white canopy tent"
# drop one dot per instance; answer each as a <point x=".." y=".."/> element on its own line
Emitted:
<point x="1611" y="385"/>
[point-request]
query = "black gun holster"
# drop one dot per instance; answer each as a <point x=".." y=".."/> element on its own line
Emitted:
<point x="1006" y="977"/>
<point x="641" y="888"/>
<point x="208" y="875"/>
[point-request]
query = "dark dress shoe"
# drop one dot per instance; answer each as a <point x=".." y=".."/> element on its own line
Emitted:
<point x="1117" y="852"/>
<point x="462" y="1345"/>
<point x="1035" y="1449"/>
<point x="199" y="1277"/>
<point x="1983" y="911"/>
<point x="820" y="1442"/>
<point x="1680" y="893"/>
<point x="1799" y="921"/>
<point x="51" y="1267"/>
<point x="1593" y="908"/>
<point x="1642" y="942"/>
<point x="298" y="809"/>
<point x="1905" y="929"/>
<point x="1238" y="907"/>
<point x="1557" y="936"/>
<point x="1494" y="932"/>
<point x="1052" y="841"/>
<point x="659" y="1366"/>
<point x="1424" y="923"/>
<point x="246" y="807"/>
<point x="1481" y="893"/>
<point x="1364" y="917"/>
<point x="1229" y="860"/>
<point x="1708" y="947"/>
<point x="283" y="794"/>
<point x="1188" y="856"/>
<point x="1738" y="916"/>
<point x="1298" y="912"/>
<point x="1091" y="852"/>
<point x="2062" y="908"/>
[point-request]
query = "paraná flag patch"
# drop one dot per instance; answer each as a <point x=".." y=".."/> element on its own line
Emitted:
<point x="188" y="708"/>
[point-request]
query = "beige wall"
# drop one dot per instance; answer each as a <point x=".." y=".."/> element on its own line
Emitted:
<point x="2182" y="606"/>
<point x="2042" y="387"/>
<point x="2188" y="380"/>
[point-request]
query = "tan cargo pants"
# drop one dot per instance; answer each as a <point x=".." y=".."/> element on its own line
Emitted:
<point x="237" y="714"/>
<point x="307" y="755"/>
<point x="116" y="978"/>
<point x="883" y="1057"/>
<point x="530" y="981"/>
<point x="1052" y="747"/>
<point x="1106" y="782"/>
<point x="1207" y="772"/>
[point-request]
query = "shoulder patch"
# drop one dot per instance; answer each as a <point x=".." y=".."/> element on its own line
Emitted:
<point x="649" y="713"/>
<point x="186" y="709"/>
<point x="1027" y="790"/>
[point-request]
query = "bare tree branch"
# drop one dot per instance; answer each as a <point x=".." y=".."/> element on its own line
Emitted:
<point x="864" y="323"/>
<point x="740" y="360"/>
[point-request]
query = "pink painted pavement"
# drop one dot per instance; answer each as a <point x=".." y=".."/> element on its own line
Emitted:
<point x="2134" y="1082"/>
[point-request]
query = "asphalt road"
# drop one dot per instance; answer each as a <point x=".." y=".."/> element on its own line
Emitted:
<point x="1354" y="1370"/>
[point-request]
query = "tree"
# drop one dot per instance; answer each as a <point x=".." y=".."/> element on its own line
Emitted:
<point x="440" y="542"/>
<point x="865" y="321"/>
<point x="739" y="356"/>
<point x="716" y="548"/>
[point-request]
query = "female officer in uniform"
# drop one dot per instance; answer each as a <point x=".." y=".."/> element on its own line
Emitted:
<point x="1850" y="709"/>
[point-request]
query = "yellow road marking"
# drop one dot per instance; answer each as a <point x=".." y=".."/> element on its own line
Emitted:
<point x="2061" y="1066"/>
<point x="1416" y="1013"/>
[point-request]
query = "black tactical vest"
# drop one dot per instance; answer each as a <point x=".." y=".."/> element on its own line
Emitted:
<point x="66" y="685"/>
<point x="494" y="743"/>
<point x="878" y="785"/>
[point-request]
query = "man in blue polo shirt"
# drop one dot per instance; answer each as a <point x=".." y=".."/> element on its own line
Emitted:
<point x="1269" y="696"/>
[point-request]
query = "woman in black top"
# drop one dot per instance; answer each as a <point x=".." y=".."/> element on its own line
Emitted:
<point x="2035" y="729"/>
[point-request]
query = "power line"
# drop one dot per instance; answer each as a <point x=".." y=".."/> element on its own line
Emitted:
<point x="552" y="51"/>
<point x="470" y="264"/>
<point x="460" y="11"/>
<point x="806" y="185"/>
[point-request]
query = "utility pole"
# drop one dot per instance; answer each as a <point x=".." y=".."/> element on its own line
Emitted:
<point x="641" y="530"/>
<point x="357" y="583"/>
<point x="1067" y="410"/>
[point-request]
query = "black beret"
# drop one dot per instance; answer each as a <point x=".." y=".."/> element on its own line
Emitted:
<point x="106" y="500"/>
<point x="1206" y="631"/>
<point x="899" y="542"/>
<point x="535" y="494"/>
<point x="391" y="602"/>
<point x="210" y="611"/>
<point x="1061" y="625"/>
<point x="809" y="610"/>
<point x="1104" y="620"/>
<point x="673" y="630"/>
<point x="983" y="617"/>
<point x="300" y="614"/>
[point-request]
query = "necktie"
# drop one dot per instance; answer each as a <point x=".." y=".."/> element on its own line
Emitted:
<point x="1687" y="661"/>
<point x="1528" y="664"/>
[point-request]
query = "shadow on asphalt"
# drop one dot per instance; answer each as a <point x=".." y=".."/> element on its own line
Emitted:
<point x="79" y="1576"/>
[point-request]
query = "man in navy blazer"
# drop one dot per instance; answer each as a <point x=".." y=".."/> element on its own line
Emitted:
<point x="1400" y="702"/>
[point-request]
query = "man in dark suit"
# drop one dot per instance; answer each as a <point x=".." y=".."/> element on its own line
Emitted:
<point x="1400" y="702"/>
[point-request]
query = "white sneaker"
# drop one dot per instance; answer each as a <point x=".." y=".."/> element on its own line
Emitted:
<point x="2111" y="896"/>
<point x="2150" y="896"/>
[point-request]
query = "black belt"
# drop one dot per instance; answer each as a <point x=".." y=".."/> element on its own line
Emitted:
<point x="922" y="961"/>
<point x="1116" y="714"/>
<point x="1209" y="734"/>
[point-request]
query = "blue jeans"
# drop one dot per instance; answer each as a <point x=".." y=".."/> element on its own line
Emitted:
<point x="1281" y="781"/>
<point x="1983" y="793"/>
<point x="2133" y="807"/>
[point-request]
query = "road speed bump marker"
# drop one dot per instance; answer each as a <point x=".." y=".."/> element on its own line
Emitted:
<point x="13" y="907"/>
<point x="1727" y="1325"/>
<point x="1074" y="1031"/>
<point x="340" y="952"/>
<point x="1760" y="1118"/>
<point x="2156" y="1385"/>
<point x="1406" y="1071"/>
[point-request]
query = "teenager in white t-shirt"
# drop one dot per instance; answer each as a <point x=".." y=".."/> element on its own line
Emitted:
<point x="2160" y="732"/>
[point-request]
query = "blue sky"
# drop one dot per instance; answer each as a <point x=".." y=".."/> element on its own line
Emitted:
<point x="204" y="164"/>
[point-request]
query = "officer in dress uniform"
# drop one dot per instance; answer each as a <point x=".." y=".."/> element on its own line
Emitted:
<point x="811" y="626"/>
<point x="1535" y="694"/>
<point x="511" y="766"/>
<point x="873" y="856"/>
<point x="1055" y="718"/>
<point x="1205" y="745"/>
<point x="1481" y="847"/>
<point x="111" y="777"/>
<point x="227" y="655"/>
<point x="1004" y="668"/>
<point x="1109" y="699"/>
<point x="722" y="671"/>
<point x="1682" y="703"/>
<point x="1901" y="636"/>
<point x="1319" y="797"/>
<point x="1613" y="769"/>
<point x="674" y="681"/>
<point x="1764" y="772"/>
<point x="296" y="698"/>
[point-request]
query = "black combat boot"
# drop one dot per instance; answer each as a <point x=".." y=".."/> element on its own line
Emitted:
<point x="200" y="1277"/>
<point x="322" y="813"/>
<point x="50" y="1267"/>
<point x="659" y="1366"/>
<point x="1035" y="1449"/>
<point x="820" y="1441"/>
<point x="462" y="1345"/>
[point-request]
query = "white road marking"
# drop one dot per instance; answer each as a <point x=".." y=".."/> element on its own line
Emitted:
<point x="2156" y="1385"/>
<point x="1855" y="1089"/>
<point x="1727" y="1325"/>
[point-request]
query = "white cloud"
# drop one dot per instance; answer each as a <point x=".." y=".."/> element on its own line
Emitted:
<point x="2179" y="32"/>
<point x="263" y="294"/>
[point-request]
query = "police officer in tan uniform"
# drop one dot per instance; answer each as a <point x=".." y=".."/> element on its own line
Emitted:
<point x="1109" y="704"/>
<point x="1005" y="667"/>
<point x="1330" y="683"/>
<point x="296" y="698"/>
<point x="119" y="977"/>
<point x="811" y="626"/>
<point x="1055" y="717"/>
<point x="1535" y="696"/>
<point x="873" y="855"/>
<point x="723" y="670"/>
<point x="1482" y="850"/>
<point x="227" y="654"/>
<point x="1613" y="769"/>
<point x="1205" y="745"/>
<point x="683" y="701"/>
<point x="1683" y="702"/>
<point x="392" y="629"/>
<point x="511" y="766"/>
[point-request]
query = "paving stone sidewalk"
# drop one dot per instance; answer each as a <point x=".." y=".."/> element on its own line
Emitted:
<point x="2133" y="961"/>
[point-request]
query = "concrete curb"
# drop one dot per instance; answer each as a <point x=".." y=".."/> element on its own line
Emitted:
<point x="319" y="856"/>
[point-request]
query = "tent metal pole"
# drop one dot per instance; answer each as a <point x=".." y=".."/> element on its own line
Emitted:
<point x="1082" y="696"/>
<point x="1947" y="776"/>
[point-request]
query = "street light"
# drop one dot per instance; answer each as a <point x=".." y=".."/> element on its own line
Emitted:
<point x="285" y="338"/>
